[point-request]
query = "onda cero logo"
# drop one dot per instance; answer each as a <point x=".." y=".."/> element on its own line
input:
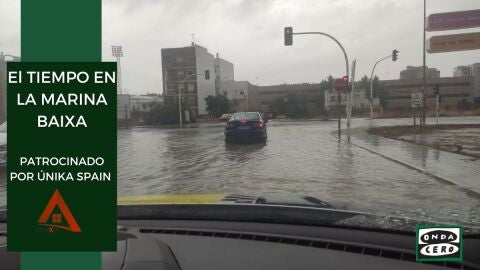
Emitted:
<point x="439" y="243"/>
<point x="57" y="216"/>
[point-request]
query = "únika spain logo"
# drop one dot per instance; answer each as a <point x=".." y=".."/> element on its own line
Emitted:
<point x="439" y="243"/>
<point x="54" y="220"/>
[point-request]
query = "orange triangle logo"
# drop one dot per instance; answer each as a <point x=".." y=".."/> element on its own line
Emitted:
<point x="56" y="219"/>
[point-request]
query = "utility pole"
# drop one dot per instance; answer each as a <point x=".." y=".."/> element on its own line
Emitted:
<point x="339" y="98"/>
<point x="423" y="121"/>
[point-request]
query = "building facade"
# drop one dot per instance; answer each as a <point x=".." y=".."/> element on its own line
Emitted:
<point x="462" y="71"/>
<point x="178" y="63"/>
<point x="411" y="73"/>
<point x="3" y="84"/>
<point x="360" y="100"/>
<point x="268" y="94"/>
<point x="242" y="94"/>
<point x="452" y="89"/>
<point x="223" y="72"/>
<point x="475" y="69"/>
<point x="144" y="103"/>
<point x="123" y="107"/>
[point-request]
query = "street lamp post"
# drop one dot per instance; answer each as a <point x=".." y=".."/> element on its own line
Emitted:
<point x="117" y="52"/>
<point x="180" y="98"/>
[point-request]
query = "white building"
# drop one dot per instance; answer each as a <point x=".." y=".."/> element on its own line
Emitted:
<point x="238" y="93"/>
<point x="144" y="103"/>
<point x="462" y="71"/>
<point x="180" y="63"/>
<point x="472" y="70"/>
<point x="223" y="72"/>
<point x="205" y="87"/>
<point x="360" y="100"/>
<point x="123" y="107"/>
<point x="475" y="69"/>
<point x="3" y="83"/>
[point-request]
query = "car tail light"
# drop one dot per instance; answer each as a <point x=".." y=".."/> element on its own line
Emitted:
<point x="243" y="122"/>
<point x="259" y="125"/>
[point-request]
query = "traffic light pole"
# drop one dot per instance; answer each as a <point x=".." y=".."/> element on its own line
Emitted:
<point x="344" y="54"/>
<point x="371" y="84"/>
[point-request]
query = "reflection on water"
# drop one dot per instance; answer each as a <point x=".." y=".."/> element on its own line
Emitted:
<point x="301" y="158"/>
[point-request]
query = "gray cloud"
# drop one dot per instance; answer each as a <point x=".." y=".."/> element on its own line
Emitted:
<point x="249" y="33"/>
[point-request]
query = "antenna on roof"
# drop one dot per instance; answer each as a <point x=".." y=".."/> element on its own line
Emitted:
<point x="193" y="38"/>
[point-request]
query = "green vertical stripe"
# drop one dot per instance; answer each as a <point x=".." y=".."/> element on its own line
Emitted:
<point x="61" y="260"/>
<point x="61" y="30"/>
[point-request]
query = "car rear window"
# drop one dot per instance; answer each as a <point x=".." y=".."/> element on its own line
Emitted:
<point x="246" y="116"/>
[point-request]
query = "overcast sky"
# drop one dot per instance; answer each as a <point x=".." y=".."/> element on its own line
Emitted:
<point x="250" y="34"/>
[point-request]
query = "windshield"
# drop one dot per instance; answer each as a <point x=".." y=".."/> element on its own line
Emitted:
<point x="245" y="116"/>
<point x="380" y="124"/>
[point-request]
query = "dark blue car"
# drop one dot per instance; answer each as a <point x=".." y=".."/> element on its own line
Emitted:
<point x="245" y="127"/>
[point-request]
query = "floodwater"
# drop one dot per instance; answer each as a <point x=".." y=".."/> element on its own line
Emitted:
<point x="299" y="158"/>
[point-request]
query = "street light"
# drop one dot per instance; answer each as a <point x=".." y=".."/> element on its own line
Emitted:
<point x="206" y="74"/>
<point x="394" y="56"/>
<point x="117" y="52"/>
<point x="288" y="40"/>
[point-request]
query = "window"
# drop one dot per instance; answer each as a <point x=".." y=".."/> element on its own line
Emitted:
<point x="190" y="61"/>
<point x="171" y="75"/>
<point x="180" y="74"/>
<point x="246" y="116"/>
<point x="225" y="93"/>
<point x="190" y="87"/>
<point x="179" y="59"/>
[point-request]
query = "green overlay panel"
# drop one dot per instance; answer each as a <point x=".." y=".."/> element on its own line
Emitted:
<point x="63" y="31"/>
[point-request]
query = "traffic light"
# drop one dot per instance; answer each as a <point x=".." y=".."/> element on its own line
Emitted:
<point x="394" y="55"/>
<point x="288" y="36"/>
<point x="207" y="74"/>
<point x="436" y="90"/>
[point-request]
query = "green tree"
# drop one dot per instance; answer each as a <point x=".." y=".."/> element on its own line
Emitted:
<point x="218" y="105"/>
<point x="164" y="114"/>
<point x="378" y="90"/>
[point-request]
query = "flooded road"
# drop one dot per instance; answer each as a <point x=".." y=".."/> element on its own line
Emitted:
<point x="299" y="158"/>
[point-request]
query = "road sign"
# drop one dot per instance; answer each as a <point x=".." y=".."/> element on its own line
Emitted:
<point x="452" y="43"/>
<point x="416" y="100"/>
<point x="340" y="85"/>
<point x="453" y="20"/>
